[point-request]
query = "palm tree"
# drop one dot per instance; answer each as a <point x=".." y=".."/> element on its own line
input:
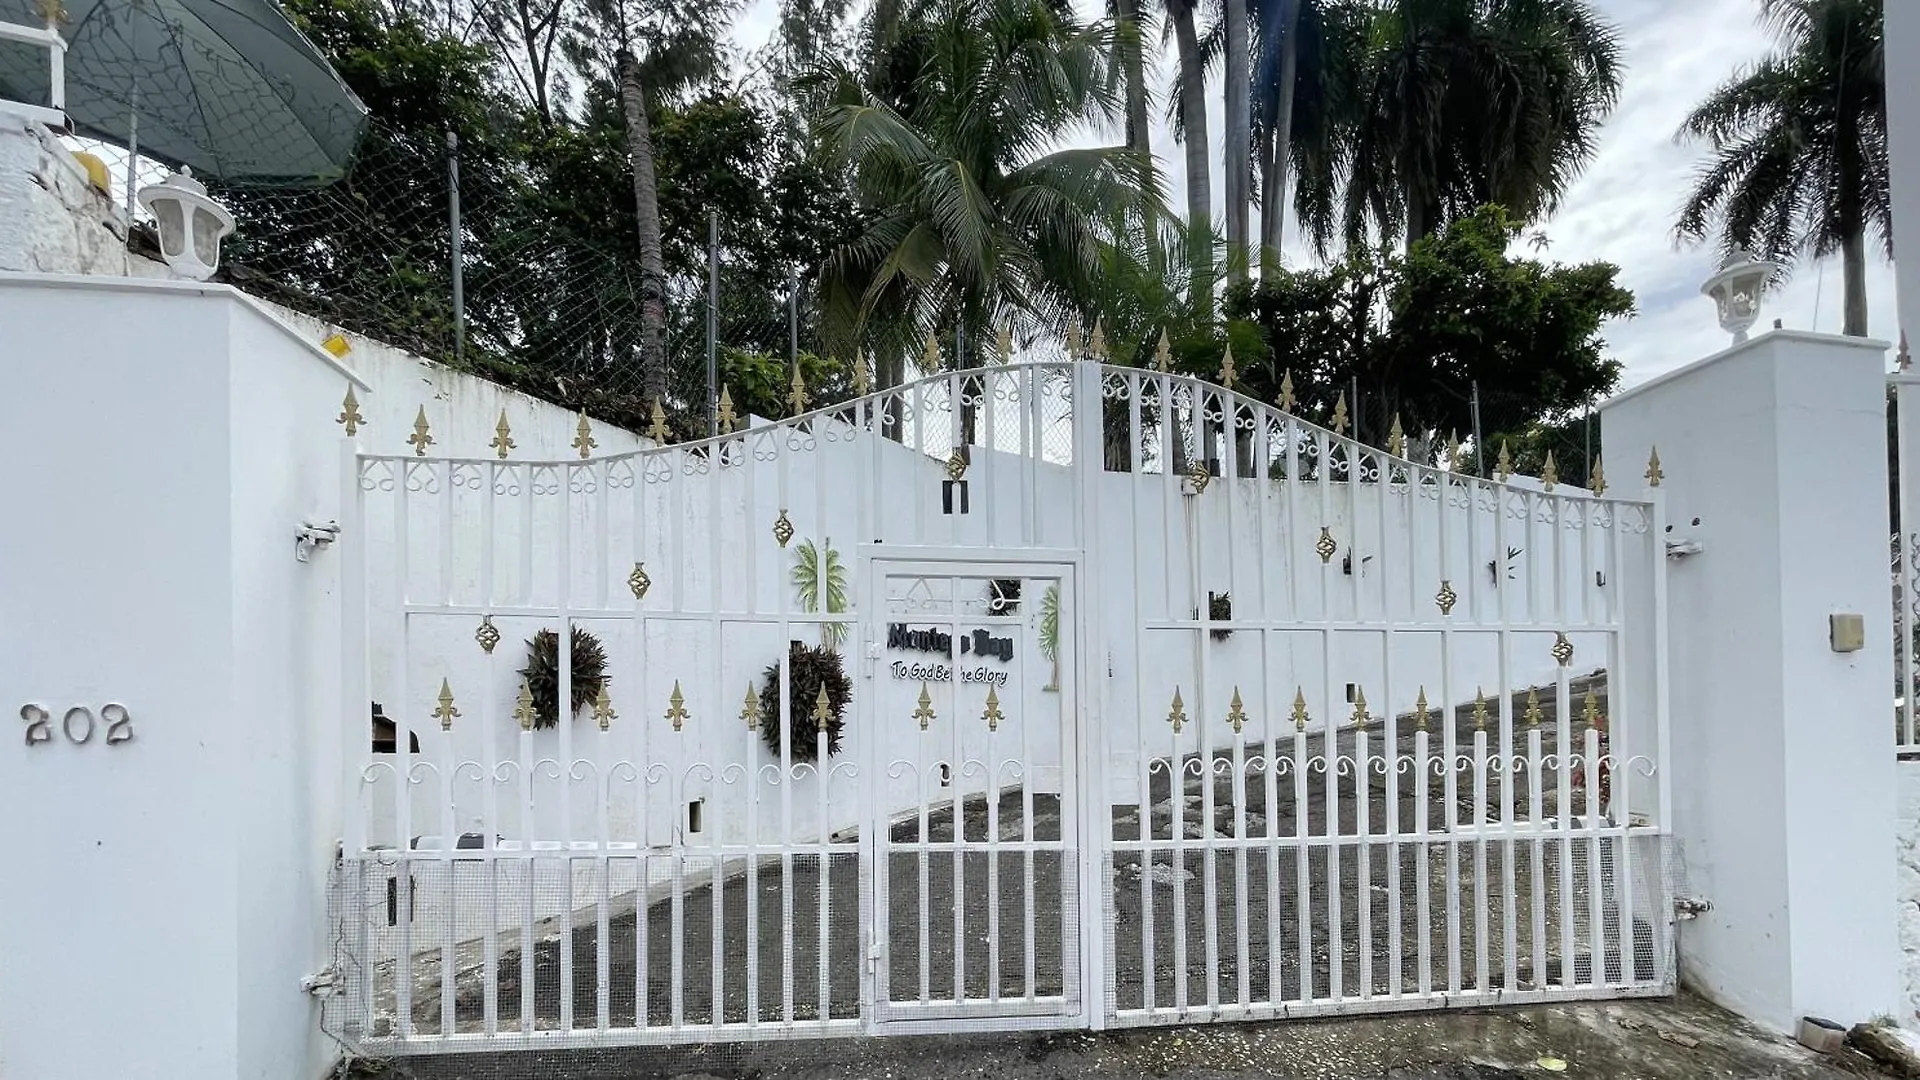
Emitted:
<point x="943" y="129"/>
<point x="1460" y="103"/>
<point x="1307" y="65"/>
<point x="1190" y="99"/>
<point x="1238" y="134"/>
<point x="1800" y="145"/>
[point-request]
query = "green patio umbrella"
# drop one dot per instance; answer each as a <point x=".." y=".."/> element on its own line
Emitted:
<point x="228" y="87"/>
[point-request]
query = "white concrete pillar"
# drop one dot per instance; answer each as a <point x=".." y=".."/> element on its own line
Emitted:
<point x="1775" y="461"/>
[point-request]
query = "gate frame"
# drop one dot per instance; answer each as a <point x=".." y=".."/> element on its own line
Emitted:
<point x="1088" y="845"/>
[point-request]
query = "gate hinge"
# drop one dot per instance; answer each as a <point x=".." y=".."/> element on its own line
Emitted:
<point x="313" y="534"/>
<point x="1691" y="907"/>
<point x="319" y="984"/>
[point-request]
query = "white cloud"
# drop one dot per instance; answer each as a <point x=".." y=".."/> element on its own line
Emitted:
<point x="1622" y="208"/>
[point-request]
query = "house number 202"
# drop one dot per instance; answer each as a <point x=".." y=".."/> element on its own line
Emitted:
<point x="78" y="724"/>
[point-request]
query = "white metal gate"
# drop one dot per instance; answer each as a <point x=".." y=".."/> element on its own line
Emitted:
<point x="1169" y="707"/>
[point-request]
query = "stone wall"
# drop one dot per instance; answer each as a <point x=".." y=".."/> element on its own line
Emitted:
<point x="52" y="219"/>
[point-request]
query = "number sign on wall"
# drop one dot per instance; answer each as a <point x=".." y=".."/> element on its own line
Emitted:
<point x="78" y="724"/>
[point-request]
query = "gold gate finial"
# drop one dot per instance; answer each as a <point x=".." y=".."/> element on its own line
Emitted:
<point x="677" y="707"/>
<point x="1097" y="348"/>
<point x="723" y="415"/>
<point x="1285" y="400"/>
<point x="350" y="417"/>
<point x="639" y="581"/>
<point x="583" y="439"/>
<point x="1549" y="473"/>
<point x="1503" y="465"/>
<point x="1300" y="716"/>
<point x="1654" y="473"/>
<point x="502" y="437"/>
<point x="750" y="709"/>
<point x="1455" y="452"/>
<point x="783" y="528"/>
<point x="1177" y="713"/>
<point x="1074" y="346"/>
<point x="1591" y="713"/>
<point x="1597" y="483"/>
<point x="1533" y="714"/>
<point x="1479" y="709"/>
<point x="1226" y="366"/>
<point x="797" y="393"/>
<point x="930" y="355"/>
<point x="1446" y="597"/>
<point x="1163" y="353"/>
<point x="1360" y="715"/>
<point x="445" y="712"/>
<point x="993" y="715"/>
<point x="862" y="373"/>
<point x="1340" y="414"/>
<point x="422" y="436"/>
<point x="1236" y="712"/>
<point x="822" y="710"/>
<point x="923" y="712"/>
<point x="1003" y="343"/>
<point x="657" y="430"/>
<point x="603" y="708"/>
<point x="523" y="707"/>
<point x="1420" y="712"/>
<point x="1397" y="438"/>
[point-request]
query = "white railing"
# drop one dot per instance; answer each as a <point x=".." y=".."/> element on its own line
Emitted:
<point x="54" y="113"/>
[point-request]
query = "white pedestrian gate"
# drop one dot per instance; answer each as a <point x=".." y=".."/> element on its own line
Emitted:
<point x="966" y="705"/>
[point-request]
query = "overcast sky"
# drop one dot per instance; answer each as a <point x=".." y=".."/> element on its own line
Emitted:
<point x="1622" y="208"/>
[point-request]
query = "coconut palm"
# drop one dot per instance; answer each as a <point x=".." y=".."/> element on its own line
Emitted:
<point x="1461" y="103"/>
<point x="1306" y="71"/>
<point x="1237" y="134"/>
<point x="944" y="130"/>
<point x="1799" y="144"/>
<point x="1189" y="103"/>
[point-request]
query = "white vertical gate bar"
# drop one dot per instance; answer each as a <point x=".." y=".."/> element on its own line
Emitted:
<point x="1270" y="698"/>
<point x="716" y="788"/>
<point x="1535" y="841"/>
<point x="1363" y="854"/>
<point x="1390" y="755"/>
<point x="1565" y="909"/>
<point x="355" y="717"/>
<point x="602" y="953"/>
<point x="563" y="597"/>
<point x="1481" y="963"/>
<point x="993" y="832"/>
<point x="1907" y="459"/>
<point x="783" y="491"/>
<point x="643" y="780"/>
<point x="529" y="865"/>
<point x="957" y="790"/>
<point x="403" y="751"/>
<point x="1302" y="860"/>
<point x="1242" y="950"/>
<point x="449" y="836"/>
<point x="1136" y="449"/>
<point x="1596" y="899"/>
<point x="1330" y="755"/>
<point x="1423" y="945"/>
<point x="1450" y="792"/>
<point x="1509" y="798"/>
<point x="1203" y="719"/>
<point x="924" y="909"/>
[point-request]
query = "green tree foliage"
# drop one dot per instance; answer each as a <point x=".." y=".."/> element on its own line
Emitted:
<point x="1799" y="145"/>
<point x="1452" y="104"/>
<point x="1416" y="331"/>
<point x="969" y="221"/>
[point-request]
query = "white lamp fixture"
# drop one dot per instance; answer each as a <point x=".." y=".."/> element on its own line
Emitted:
<point x="1735" y="290"/>
<point x="191" y="224"/>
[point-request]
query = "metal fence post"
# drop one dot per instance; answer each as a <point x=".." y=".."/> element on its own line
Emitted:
<point x="713" y="322"/>
<point x="453" y="228"/>
<point x="1479" y="443"/>
<point x="793" y="320"/>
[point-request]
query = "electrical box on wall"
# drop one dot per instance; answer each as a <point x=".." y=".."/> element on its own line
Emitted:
<point x="1846" y="632"/>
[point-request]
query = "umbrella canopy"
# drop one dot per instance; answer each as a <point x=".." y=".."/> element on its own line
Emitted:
<point x="228" y="87"/>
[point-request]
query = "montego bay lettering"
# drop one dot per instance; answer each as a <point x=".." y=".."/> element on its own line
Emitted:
<point x="937" y="672"/>
<point x="978" y="643"/>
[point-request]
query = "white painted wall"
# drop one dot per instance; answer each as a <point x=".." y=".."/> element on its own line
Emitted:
<point x="1782" y="772"/>
<point x="1908" y="884"/>
<point x="159" y="469"/>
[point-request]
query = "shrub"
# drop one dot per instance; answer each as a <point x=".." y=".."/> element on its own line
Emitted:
<point x="543" y="674"/>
